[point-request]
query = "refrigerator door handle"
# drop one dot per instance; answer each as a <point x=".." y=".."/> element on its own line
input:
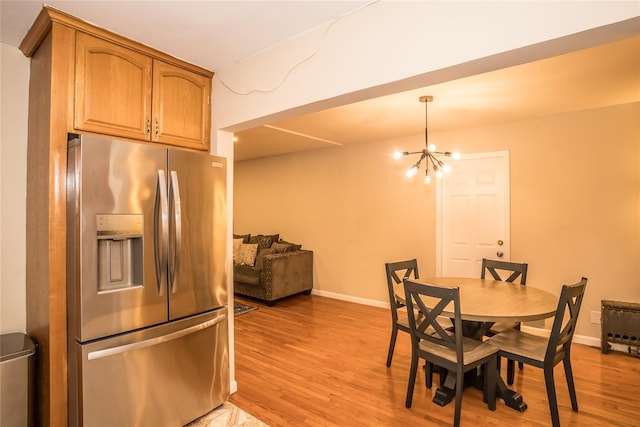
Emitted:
<point x="99" y="354"/>
<point x="174" y="268"/>
<point x="161" y="246"/>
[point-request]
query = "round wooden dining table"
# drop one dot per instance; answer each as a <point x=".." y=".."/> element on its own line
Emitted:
<point x="484" y="302"/>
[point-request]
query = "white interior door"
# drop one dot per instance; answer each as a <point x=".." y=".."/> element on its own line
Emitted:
<point x="473" y="214"/>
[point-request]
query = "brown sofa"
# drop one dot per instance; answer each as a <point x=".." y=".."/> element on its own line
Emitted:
<point x="268" y="268"/>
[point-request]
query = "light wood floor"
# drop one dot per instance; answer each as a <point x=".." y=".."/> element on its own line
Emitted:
<point x="314" y="361"/>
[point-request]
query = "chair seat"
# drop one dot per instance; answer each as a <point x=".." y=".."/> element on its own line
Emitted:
<point x="403" y="321"/>
<point x="501" y="327"/>
<point x="473" y="350"/>
<point x="445" y="322"/>
<point x="521" y="343"/>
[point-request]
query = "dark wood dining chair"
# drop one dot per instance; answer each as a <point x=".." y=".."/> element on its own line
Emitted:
<point x="544" y="352"/>
<point x="433" y="341"/>
<point x="408" y="269"/>
<point x="512" y="269"/>
<point x="506" y="272"/>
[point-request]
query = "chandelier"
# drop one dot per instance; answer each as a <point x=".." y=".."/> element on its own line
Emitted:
<point x="429" y="153"/>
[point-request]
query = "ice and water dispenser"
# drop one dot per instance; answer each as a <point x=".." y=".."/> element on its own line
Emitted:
<point x="119" y="251"/>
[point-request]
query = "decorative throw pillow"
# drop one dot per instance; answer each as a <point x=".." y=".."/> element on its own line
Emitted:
<point x="236" y="249"/>
<point x="261" y="255"/>
<point x="245" y="237"/>
<point x="296" y="247"/>
<point x="264" y="241"/>
<point x="247" y="254"/>
<point x="281" y="247"/>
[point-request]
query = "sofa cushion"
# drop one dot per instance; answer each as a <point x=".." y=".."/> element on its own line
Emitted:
<point x="245" y="237"/>
<point x="281" y="247"/>
<point x="247" y="254"/>
<point x="236" y="249"/>
<point x="261" y="255"/>
<point x="264" y="241"/>
<point x="296" y="247"/>
<point x="246" y="274"/>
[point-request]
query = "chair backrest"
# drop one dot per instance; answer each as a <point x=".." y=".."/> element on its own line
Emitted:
<point x="515" y="268"/>
<point x="562" y="331"/>
<point x="438" y="298"/>
<point x="408" y="269"/>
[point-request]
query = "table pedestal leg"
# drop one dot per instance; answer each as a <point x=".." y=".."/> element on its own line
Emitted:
<point x="446" y="392"/>
<point x="511" y="398"/>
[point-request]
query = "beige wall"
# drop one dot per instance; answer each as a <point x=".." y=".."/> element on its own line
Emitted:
<point x="575" y="205"/>
<point x="14" y="92"/>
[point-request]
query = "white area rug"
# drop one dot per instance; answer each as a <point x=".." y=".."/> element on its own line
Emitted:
<point x="227" y="415"/>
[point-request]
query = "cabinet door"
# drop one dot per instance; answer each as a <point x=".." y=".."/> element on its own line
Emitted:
<point x="181" y="107"/>
<point x="113" y="89"/>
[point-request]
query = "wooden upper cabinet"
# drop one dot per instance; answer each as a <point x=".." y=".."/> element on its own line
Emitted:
<point x="181" y="107"/>
<point x="113" y="89"/>
<point x="123" y="92"/>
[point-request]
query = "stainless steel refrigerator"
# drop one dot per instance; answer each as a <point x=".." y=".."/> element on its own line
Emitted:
<point x="147" y="322"/>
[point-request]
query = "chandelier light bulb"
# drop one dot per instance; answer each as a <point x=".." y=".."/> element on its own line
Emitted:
<point x="455" y="155"/>
<point x="446" y="168"/>
<point x="427" y="179"/>
<point x="438" y="174"/>
<point x="412" y="172"/>
<point x="397" y="154"/>
<point x="432" y="147"/>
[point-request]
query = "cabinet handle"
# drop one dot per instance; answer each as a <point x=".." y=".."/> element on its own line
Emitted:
<point x="148" y="132"/>
<point x="157" y="129"/>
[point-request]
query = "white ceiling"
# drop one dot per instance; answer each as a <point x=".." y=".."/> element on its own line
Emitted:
<point x="601" y="76"/>
<point x="216" y="34"/>
<point x="209" y="33"/>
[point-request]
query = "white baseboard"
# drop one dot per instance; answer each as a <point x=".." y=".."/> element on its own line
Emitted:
<point x="349" y="298"/>
<point x="233" y="387"/>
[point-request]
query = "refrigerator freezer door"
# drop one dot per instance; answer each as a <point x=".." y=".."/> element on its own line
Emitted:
<point x="197" y="216"/>
<point x="113" y="285"/>
<point x="166" y="375"/>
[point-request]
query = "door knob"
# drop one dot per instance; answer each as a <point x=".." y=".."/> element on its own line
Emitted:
<point x="500" y="254"/>
<point x="500" y="243"/>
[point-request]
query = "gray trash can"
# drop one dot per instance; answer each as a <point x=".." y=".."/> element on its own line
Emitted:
<point x="17" y="362"/>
